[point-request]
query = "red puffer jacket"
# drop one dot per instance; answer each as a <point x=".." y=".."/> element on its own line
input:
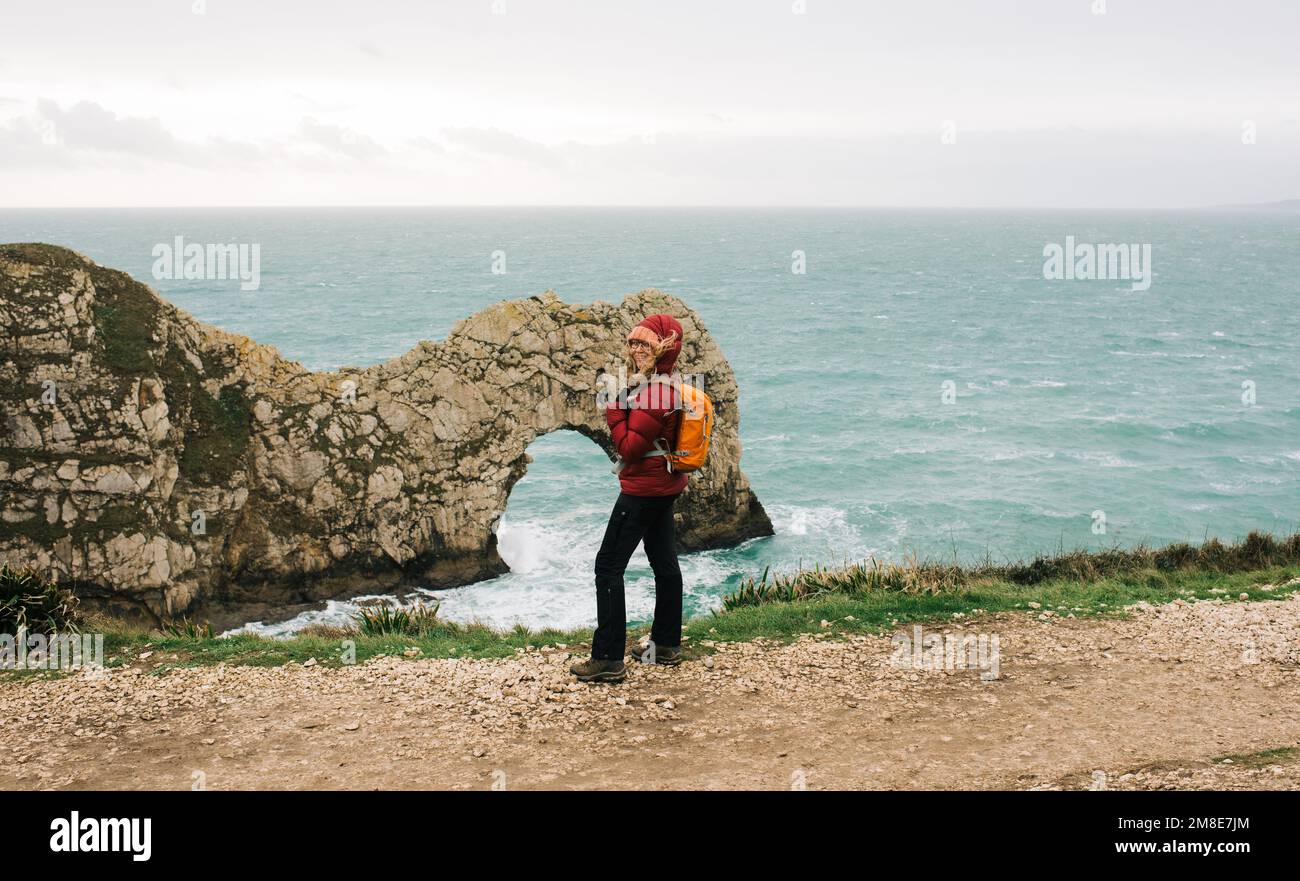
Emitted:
<point x="634" y="429"/>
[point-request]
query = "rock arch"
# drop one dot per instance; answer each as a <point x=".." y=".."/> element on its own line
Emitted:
<point x="181" y="469"/>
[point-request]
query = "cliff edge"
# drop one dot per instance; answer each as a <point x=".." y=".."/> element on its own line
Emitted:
<point x="165" y="467"/>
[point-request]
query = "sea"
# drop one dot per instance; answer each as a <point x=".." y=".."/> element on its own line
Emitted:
<point x="911" y="384"/>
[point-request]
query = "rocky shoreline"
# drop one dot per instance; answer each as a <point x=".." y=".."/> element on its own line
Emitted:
<point x="163" y="467"/>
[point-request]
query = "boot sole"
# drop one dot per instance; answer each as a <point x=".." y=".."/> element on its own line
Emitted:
<point x="603" y="677"/>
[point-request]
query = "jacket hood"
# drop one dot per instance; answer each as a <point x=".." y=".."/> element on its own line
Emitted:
<point x="663" y="325"/>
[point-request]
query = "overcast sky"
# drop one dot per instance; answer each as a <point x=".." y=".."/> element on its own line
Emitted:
<point x="525" y="102"/>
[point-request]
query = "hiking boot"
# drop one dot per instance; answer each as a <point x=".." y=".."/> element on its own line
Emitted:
<point x="634" y="647"/>
<point x="600" y="670"/>
<point x="657" y="654"/>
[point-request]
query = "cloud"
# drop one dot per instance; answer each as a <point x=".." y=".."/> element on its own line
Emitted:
<point x="494" y="141"/>
<point x="319" y="106"/>
<point x="29" y="142"/>
<point x="89" y="134"/>
<point x="87" y="131"/>
<point x="88" y="126"/>
<point x="339" y="139"/>
<point x="1055" y="167"/>
<point x="427" y="144"/>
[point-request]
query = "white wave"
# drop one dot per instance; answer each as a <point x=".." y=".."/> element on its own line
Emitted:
<point x="922" y="449"/>
<point x="1012" y="455"/>
<point x="1105" y="460"/>
<point x="337" y="613"/>
<point x="828" y="535"/>
<point x="796" y="520"/>
<point x="551" y="582"/>
<point x="1257" y="459"/>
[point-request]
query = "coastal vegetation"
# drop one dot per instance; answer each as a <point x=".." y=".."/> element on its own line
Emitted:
<point x="870" y="597"/>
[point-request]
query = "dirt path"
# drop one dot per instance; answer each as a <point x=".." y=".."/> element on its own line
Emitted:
<point x="1139" y="703"/>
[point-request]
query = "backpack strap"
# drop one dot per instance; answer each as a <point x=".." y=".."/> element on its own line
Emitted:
<point x="662" y="451"/>
<point x="661" y="448"/>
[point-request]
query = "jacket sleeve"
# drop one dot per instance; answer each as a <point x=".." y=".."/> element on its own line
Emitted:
<point x="634" y="429"/>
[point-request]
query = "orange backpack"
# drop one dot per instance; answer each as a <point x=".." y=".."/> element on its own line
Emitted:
<point x="694" y="430"/>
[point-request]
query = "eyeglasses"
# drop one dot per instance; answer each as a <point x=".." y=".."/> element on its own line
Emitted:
<point x="638" y="344"/>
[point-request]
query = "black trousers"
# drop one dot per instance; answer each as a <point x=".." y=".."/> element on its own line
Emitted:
<point x="635" y="518"/>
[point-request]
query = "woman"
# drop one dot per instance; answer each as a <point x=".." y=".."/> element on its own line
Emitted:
<point x="644" y="508"/>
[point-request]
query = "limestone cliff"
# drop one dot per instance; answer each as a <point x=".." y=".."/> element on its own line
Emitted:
<point x="161" y="465"/>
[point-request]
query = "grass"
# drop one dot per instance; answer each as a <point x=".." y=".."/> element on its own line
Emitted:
<point x="187" y="629"/>
<point x="388" y="620"/>
<point x="1257" y="551"/>
<point x="32" y="603"/>
<point x="881" y="611"/>
<point x="1263" y="758"/>
<point x="329" y="646"/>
<point x="846" y="603"/>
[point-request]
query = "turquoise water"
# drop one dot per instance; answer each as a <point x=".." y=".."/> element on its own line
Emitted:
<point x="1070" y="396"/>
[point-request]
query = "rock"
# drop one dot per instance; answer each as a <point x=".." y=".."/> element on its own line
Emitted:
<point x="213" y="479"/>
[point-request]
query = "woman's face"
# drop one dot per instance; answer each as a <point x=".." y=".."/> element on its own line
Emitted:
<point x="642" y="355"/>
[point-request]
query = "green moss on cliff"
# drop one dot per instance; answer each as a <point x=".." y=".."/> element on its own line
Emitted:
<point x="36" y="529"/>
<point x="114" y="519"/>
<point x="126" y="321"/>
<point x="218" y="435"/>
<point x="117" y="518"/>
<point x="53" y="256"/>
